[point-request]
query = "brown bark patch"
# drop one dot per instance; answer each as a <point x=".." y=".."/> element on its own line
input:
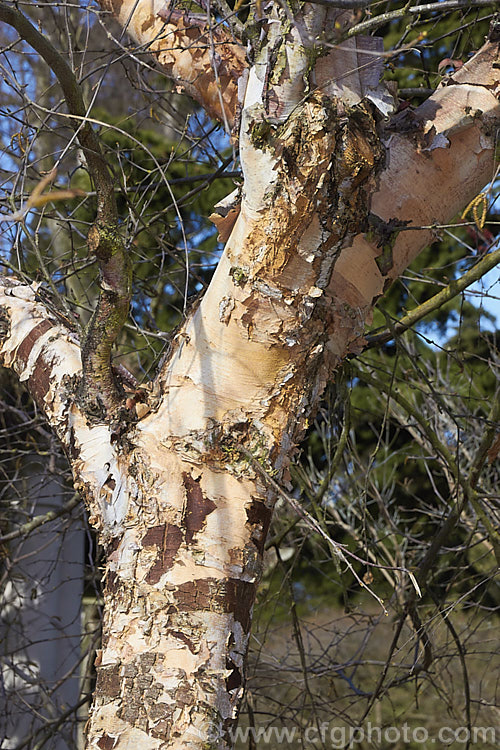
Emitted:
<point x="162" y="730"/>
<point x="252" y="305"/>
<point x="112" y="546"/>
<point x="108" y="682"/>
<point x="110" y="482"/>
<point x="147" y="661"/>
<point x="131" y="712"/>
<point x="183" y="637"/>
<point x="160" y="711"/>
<point x="24" y="349"/>
<point x="39" y="381"/>
<point x="230" y="596"/>
<point x="185" y="695"/>
<point x="239" y="599"/>
<point x="147" y="23"/>
<point x="154" y="536"/>
<point x="141" y="704"/>
<point x="130" y="671"/>
<point x="235" y="679"/>
<point x="168" y="539"/>
<point x="106" y="742"/>
<point x="73" y="451"/>
<point x="194" y="595"/>
<point x="197" y="508"/>
<point x="259" y="518"/>
<point x="112" y="582"/>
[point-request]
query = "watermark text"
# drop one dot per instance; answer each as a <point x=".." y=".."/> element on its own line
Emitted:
<point x="328" y="735"/>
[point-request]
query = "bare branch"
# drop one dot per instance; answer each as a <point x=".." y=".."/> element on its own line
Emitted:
<point x="99" y="385"/>
<point x="486" y="441"/>
<point x="343" y="4"/>
<point x="38" y="521"/>
<point x="453" y="289"/>
<point x="448" y="6"/>
<point x="87" y="137"/>
<point x="228" y="15"/>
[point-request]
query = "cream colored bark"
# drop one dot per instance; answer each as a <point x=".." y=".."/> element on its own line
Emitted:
<point x="180" y="510"/>
<point x="46" y="356"/>
<point x="184" y="537"/>
<point x="180" y="585"/>
<point x="431" y="175"/>
<point x="205" y="63"/>
<point x="298" y="279"/>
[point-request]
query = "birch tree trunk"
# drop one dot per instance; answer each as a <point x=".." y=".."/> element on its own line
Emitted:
<point x="329" y="181"/>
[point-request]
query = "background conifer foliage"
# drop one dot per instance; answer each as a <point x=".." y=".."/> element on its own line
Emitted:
<point x="249" y="402"/>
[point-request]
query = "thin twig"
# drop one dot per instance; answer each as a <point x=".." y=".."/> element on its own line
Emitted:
<point x="461" y="654"/>
<point x="38" y="521"/>
<point x="447" y="6"/>
<point x="340" y="550"/>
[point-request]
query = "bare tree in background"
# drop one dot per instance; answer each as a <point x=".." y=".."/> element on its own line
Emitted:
<point x="341" y="189"/>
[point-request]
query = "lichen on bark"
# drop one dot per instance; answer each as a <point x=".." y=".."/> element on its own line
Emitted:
<point x="101" y="390"/>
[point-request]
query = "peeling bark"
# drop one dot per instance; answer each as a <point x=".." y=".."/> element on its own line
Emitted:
<point x="205" y="63"/>
<point x="436" y="165"/>
<point x="184" y="545"/>
<point x="179" y="590"/>
<point x="299" y="276"/>
<point x="251" y="363"/>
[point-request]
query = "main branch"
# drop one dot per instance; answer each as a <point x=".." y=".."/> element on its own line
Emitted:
<point x="200" y="56"/>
